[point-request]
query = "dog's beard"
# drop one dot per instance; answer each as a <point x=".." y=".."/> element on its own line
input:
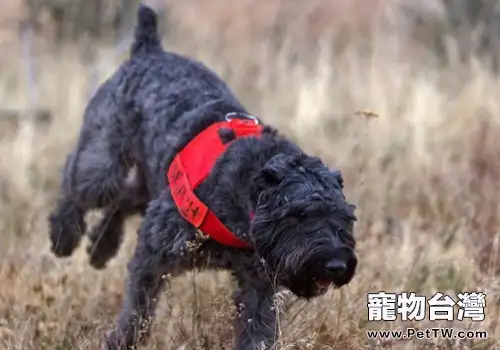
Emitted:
<point x="297" y="243"/>
<point x="302" y="270"/>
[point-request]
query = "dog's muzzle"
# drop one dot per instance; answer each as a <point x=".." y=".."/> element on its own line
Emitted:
<point x="340" y="269"/>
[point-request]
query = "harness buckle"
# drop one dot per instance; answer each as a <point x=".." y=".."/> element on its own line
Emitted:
<point x="233" y="115"/>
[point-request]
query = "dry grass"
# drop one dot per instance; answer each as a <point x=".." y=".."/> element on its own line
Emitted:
<point x="423" y="176"/>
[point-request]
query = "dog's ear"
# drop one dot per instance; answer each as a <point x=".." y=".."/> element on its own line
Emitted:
<point x="273" y="171"/>
<point x="276" y="168"/>
<point x="271" y="174"/>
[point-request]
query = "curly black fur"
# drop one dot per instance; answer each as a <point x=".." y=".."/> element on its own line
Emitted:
<point x="140" y="118"/>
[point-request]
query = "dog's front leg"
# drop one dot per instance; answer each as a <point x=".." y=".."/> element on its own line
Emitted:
<point x="160" y="253"/>
<point x="256" y="323"/>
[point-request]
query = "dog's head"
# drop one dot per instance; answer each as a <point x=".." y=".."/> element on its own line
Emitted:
<point x="303" y="225"/>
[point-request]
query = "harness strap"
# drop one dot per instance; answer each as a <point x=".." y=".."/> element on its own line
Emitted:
<point x="193" y="164"/>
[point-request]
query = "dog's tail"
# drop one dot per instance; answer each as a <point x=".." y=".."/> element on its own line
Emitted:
<point x="146" y="30"/>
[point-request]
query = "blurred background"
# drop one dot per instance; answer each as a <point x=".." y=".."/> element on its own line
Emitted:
<point x="424" y="173"/>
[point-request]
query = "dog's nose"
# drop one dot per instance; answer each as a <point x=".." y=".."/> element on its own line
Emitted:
<point x="336" y="268"/>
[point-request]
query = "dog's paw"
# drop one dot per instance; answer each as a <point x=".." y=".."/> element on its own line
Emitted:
<point x="64" y="246"/>
<point x="105" y="240"/>
<point x="96" y="260"/>
<point x="65" y="235"/>
<point x="62" y="249"/>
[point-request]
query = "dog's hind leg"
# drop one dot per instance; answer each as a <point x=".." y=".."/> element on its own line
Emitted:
<point x="106" y="237"/>
<point x="66" y="222"/>
<point x="94" y="175"/>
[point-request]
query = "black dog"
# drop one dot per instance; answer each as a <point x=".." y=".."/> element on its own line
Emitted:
<point x="278" y="217"/>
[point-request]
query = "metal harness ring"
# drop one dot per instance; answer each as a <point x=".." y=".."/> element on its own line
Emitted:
<point x="233" y="115"/>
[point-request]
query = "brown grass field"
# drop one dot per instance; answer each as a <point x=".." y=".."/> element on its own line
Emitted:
<point x="423" y="174"/>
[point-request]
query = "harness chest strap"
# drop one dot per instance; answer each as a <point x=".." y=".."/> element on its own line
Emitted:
<point x="192" y="165"/>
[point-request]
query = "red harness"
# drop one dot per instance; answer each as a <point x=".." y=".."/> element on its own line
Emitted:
<point x="193" y="164"/>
